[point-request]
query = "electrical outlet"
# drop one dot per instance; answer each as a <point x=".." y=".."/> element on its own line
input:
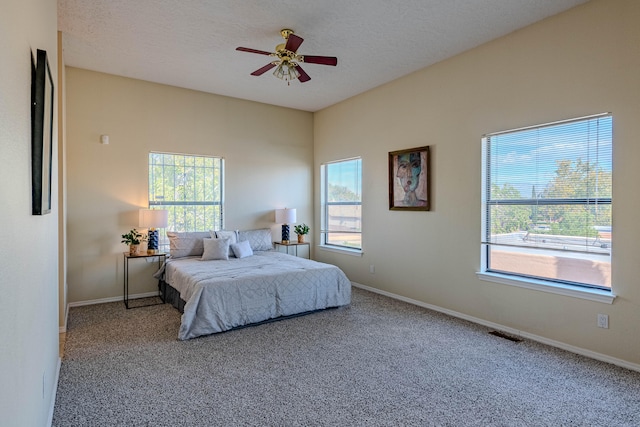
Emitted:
<point x="372" y="269"/>
<point x="603" y="321"/>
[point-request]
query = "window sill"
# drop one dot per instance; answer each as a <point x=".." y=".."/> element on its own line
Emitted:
<point x="554" y="288"/>
<point x="346" y="251"/>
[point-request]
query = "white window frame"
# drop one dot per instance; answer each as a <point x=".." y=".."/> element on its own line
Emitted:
<point x="556" y="287"/>
<point x="324" y="212"/>
<point x="156" y="202"/>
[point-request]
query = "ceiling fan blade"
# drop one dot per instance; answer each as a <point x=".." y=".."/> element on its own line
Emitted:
<point x="247" y="49"/>
<point x="261" y="71"/>
<point x="322" y="60"/>
<point x="304" y="77"/>
<point x="293" y="43"/>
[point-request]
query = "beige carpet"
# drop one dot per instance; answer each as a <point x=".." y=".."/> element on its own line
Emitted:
<point x="379" y="362"/>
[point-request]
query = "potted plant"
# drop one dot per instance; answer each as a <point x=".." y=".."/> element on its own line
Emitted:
<point x="301" y="230"/>
<point x="133" y="238"/>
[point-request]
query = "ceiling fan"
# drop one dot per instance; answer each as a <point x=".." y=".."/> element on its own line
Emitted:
<point x="288" y="63"/>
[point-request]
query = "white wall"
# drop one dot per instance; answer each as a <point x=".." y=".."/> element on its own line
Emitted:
<point x="28" y="244"/>
<point x="581" y="62"/>
<point x="268" y="164"/>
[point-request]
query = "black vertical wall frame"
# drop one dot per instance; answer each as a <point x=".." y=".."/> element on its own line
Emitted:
<point x="41" y="133"/>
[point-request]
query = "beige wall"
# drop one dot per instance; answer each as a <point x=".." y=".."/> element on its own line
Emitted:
<point x="62" y="194"/>
<point x="268" y="164"/>
<point x="28" y="243"/>
<point x="581" y="62"/>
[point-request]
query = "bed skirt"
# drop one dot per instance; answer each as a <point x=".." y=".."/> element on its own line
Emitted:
<point x="171" y="295"/>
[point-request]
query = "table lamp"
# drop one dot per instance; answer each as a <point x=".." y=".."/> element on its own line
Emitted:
<point x="153" y="219"/>
<point x="285" y="217"/>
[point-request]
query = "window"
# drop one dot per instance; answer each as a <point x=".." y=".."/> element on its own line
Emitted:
<point x="341" y="217"/>
<point x="190" y="188"/>
<point x="547" y="202"/>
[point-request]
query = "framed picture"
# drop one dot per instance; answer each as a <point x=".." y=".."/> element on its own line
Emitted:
<point x="409" y="180"/>
<point x="41" y="134"/>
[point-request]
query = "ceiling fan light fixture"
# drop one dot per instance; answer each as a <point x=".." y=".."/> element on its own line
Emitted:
<point x="286" y="65"/>
<point x="286" y="71"/>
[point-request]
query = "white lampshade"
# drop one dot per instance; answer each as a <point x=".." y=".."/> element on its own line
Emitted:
<point x="153" y="218"/>
<point x="285" y="216"/>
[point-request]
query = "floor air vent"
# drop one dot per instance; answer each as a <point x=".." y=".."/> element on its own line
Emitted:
<point x="505" y="336"/>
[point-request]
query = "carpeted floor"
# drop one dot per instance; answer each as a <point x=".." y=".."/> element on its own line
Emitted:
<point x="379" y="362"/>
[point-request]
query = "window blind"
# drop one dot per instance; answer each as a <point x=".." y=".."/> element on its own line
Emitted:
<point x="342" y="203"/>
<point x="548" y="187"/>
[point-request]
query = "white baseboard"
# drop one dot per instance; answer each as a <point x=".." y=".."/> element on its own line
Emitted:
<point x="54" y="391"/>
<point x="512" y="331"/>
<point x="111" y="299"/>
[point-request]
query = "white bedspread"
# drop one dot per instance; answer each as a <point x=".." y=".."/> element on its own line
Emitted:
<point x="221" y="295"/>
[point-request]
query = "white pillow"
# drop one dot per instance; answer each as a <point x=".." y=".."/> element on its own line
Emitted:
<point x="226" y="234"/>
<point x="215" y="249"/>
<point x="242" y="249"/>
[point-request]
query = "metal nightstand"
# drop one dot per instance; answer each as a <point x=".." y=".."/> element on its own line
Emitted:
<point x="295" y="245"/>
<point x="127" y="256"/>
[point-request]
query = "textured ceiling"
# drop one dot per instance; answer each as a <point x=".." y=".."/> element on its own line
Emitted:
<point x="191" y="43"/>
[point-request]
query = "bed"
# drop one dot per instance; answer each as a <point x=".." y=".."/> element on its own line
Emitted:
<point x="218" y="293"/>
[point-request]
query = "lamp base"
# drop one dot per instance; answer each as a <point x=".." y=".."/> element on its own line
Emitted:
<point x="152" y="244"/>
<point x="285" y="234"/>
